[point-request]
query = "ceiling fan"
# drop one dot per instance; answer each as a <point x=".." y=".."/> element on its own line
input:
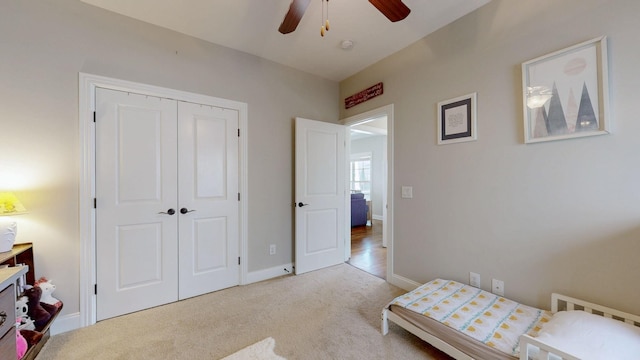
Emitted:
<point x="394" y="10"/>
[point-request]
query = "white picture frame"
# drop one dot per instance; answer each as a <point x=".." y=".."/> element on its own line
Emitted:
<point x="457" y="120"/>
<point x="566" y="93"/>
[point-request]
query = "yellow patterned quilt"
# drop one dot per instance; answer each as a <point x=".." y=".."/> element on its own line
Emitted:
<point x="493" y="320"/>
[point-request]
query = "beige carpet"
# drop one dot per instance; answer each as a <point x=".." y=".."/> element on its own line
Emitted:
<point x="332" y="313"/>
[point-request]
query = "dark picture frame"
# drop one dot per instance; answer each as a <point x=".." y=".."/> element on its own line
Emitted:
<point x="457" y="120"/>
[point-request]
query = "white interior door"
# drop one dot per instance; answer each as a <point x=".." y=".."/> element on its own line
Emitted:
<point x="136" y="192"/>
<point x="208" y="193"/>
<point x="320" y="195"/>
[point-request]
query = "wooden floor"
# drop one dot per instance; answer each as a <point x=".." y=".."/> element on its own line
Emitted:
<point x="367" y="252"/>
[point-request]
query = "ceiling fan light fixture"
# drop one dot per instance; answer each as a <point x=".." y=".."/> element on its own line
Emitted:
<point x="293" y="16"/>
<point x="325" y="21"/>
<point x="394" y="10"/>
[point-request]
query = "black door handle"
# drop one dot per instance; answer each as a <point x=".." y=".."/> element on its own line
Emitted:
<point x="185" y="210"/>
<point x="168" y="212"/>
<point x="300" y="204"/>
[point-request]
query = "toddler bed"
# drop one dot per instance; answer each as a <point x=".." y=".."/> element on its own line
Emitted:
<point x="469" y="323"/>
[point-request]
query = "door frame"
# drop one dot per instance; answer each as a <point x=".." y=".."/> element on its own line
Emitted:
<point x="87" y="219"/>
<point x="388" y="225"/>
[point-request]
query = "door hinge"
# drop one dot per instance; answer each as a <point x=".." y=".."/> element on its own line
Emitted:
<point x="95" y="203"/>
<point x="238" y="132"/>
<point x="95" y="289"/>
<point x="94" y="116"/>
<point x="238" y="196"/>
<point x="238" y="260"/>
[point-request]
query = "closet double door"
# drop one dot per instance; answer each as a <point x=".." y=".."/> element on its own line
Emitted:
<point x="167" y="209"/>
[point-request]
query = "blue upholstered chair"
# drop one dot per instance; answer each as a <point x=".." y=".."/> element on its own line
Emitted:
<point x="359" y="209"/>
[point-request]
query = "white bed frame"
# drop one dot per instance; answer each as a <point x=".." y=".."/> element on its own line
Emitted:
<point x="527" y="343"/>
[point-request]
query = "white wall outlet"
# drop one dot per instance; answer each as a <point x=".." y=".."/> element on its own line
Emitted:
<point x="474" y="279"/>
<point x="497" y="287"/>
<point x="272" y="249"/>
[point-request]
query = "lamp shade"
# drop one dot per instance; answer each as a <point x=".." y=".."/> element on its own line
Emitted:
<point x="9" y="206"/>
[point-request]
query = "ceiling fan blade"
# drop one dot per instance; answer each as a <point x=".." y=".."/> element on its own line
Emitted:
<point x="394" y="10"/>
<point x="293" y="16"/>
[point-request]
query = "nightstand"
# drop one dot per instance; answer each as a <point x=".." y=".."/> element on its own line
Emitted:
<point x="8" y="278"/>
<point x="20" y="254"/>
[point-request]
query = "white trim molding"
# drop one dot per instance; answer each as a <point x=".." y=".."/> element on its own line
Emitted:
<point x="65" y="323"/>
<point x="266" y="274"/>
<point x="403" y="282"/>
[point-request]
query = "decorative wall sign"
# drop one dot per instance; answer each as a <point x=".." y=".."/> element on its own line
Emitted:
<point x="363" y="95"/>
<point x="566" y="93"/>
<point x="457" y="120"/>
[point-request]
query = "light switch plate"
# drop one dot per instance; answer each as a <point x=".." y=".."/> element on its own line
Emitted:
<point x="407" y="192"/>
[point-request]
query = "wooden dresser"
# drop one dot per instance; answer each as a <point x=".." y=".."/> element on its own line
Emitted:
<point x="20" y="254"/>
<point x="8" y="278"/>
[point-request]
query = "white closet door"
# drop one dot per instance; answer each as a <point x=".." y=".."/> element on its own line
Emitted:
<point x="136" y="186"/>
<point x="208" y="196"/>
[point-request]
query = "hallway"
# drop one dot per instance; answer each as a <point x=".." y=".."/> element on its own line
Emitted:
<point x="367" y="252"/>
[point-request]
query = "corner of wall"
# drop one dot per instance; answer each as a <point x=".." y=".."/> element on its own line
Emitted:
<point x="66" y="323"/>
<point x="403" y="282"/>
<point x="266" y="274"/>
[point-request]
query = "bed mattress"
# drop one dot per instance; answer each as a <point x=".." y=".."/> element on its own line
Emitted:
<point x="478" y="323"/>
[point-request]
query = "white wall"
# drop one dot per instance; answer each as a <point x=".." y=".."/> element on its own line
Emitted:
<point x="375" y="146"/>
<point x="46" y="43"/>
<point x="558" y="216"/>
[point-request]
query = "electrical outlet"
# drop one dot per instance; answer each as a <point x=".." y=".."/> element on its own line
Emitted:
<point x="474" y="279"/>
<point x="272" y="249"/>
<point x="497" y="287"/>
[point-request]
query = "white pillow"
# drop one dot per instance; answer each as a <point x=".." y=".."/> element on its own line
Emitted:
<point x="588" y="336"/>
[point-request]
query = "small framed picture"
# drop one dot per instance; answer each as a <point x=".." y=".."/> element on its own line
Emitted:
<point x="457" y="120"/>
<point x="566" y="93"/>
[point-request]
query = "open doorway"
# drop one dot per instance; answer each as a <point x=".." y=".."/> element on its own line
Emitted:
<point x="368" y="175"/>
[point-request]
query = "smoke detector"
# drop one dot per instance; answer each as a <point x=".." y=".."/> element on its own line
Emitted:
<point x="346" y="44"/>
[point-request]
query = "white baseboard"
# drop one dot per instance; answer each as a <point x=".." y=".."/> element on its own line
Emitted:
<point x="403" y="283"/>
<point x="266" y="274"/>
<point x="377" y="217"/>
<point x="65" y="323"/>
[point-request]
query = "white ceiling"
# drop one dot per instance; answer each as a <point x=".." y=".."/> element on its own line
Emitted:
<point x="252" y="26"/>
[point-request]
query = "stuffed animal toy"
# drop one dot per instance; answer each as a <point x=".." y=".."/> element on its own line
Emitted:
<point x="32" y="337"/>
<point x="47" y="290"/>
<point x="51" y="309"/>
<point x="22" y="311"/>
<point x="37" y="312"/>
<point x="21" y="344"/>
<point x="26" y="324"/>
